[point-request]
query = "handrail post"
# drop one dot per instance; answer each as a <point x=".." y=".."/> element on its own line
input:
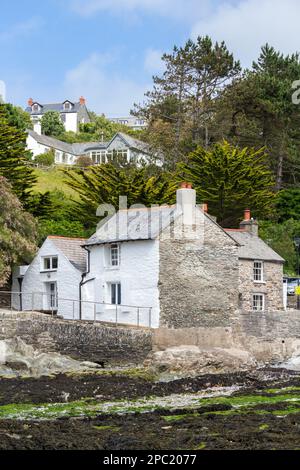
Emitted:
<point x="73" y="309"/>
<point x="116" y="314"/>
<point x="95" y="312"/>
<point x="138" y="316"/>
<point x="150" y="317"/>
<point x="32" y="302"/>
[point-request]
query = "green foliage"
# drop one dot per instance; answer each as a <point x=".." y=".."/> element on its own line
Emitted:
<point x="16" y="117"/>
<point x="288" y="205"/>
<point x="46" y="159"/>
<point x="229" y="179"/>
<point x="106" y="183"/>
<point x="14" y="159"/>
<point x="17" y="232"/>
<point x="52" y="124"/>
<point x="62" y="228"/>
<point x="100" y="129"/>
<point x="280" y="238"/>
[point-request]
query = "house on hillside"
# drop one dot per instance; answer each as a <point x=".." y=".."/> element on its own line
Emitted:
<point x="181" y="263"/>
<point x="135" y="123"/>
<point x="121" y="147"/>
<point x="55" y="273"/>
<point x="71" y="114"/>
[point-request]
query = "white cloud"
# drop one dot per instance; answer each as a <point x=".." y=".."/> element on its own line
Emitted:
<point x="249" y="24"/>
<point x="179" y="9"/>
<point x="21" y="29"/>
<point x="107" y="91"/>
<point x="153" y="63"/>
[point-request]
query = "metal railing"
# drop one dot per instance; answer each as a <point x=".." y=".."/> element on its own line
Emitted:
<point x="74" y="309"/>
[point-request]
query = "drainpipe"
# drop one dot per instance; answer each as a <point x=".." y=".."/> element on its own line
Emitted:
<point x="83" y="282"/>
<point x="20" y="280"/>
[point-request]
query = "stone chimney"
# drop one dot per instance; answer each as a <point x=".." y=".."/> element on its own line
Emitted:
<point x="30" y="102"/>
<point x="186" y="202"/>
<point x="82" y="101"/>
<point x="249" y="224"/>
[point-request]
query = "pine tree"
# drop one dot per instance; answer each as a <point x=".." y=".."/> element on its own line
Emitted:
<point x="104" y="184"/>
<point x="230" y="179"/>
<point x="15" y="159"/>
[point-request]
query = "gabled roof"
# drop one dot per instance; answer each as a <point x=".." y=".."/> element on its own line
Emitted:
<point x="132" y="143"/>
<point x="51" y="142"/>
<point x="72" y="249"/>
<point x="254" y="248"/>
<point x="58" y="107"/>
<point x="135" y="224"/>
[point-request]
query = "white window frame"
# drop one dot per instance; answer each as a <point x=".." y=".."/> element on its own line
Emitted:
<point x="114" y="255"/>
<point x="51" y="258"/>
<point x="118" y="293"/>
<point x="254" y="302"/>
<point x="258" y="267"/>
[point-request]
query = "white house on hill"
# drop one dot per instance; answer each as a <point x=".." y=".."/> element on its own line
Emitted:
<point x="71" y="114"/>
<point x="122" y="147"/>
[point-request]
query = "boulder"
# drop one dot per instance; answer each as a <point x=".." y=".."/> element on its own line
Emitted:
<point x="192" y="361"/>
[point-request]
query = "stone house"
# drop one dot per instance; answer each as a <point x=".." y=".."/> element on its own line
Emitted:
<point x="71" y="114"/>
<point x="181" y="263"/>
<point x="121" y="147"/>
<point x="55" y="273"/>
<point x="260" y="269"/>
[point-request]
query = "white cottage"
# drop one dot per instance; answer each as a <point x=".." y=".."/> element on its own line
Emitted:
<point x="55" y="273"/>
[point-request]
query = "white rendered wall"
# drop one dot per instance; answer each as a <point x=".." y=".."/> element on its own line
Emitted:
<point x="138" y="274"/>
<point x="71" y="123"/>
<point x="35" y="147"/>
<point x="66" y="276"/>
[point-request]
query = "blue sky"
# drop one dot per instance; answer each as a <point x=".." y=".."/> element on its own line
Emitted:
<point x="108" y="50"/>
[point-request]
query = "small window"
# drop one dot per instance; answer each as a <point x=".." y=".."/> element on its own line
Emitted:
<point x="258" y="302"/>
<point x="116" y="296"/>
<point x="258" y="271"/>
<point x="115" y="255"/>
<point x="50" y="263"/>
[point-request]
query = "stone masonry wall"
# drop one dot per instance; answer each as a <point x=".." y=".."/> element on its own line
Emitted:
<point x="198" y="279"/>
<point x="85" y="341"/>
<point x="272" y="286"/>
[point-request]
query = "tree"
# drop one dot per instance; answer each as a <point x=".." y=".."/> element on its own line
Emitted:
<point x="288" y="205"/>
<point x="257" y="110"/>
<point x="186" y="93"/>
<point x="46" y="158"/>
<point x="14" y="159"/>
<point x="230" y="179"/>
<point x="16" y="117"/>
<point x="52" y="124"/>
<point x="281" y="238"/>
<point x="106" y="183"/>
<point x="17" y="232"/>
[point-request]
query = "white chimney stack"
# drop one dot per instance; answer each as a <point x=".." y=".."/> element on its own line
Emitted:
<point x="186" y="202"/>
<point x="37" y="127"/>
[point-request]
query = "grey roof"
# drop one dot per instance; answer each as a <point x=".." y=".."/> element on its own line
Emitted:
<point x="85" y="147"/>
<point x="58" y="107"/>
<point x="254" y="248"/>
<point x="135" y="224"/>
<point x="51" y="142"/>
<point x="73" y="251"/>
<point x="133" y="143"/>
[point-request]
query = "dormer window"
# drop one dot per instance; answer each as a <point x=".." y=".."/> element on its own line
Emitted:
<point x="67" y="106"/>
<point x="35" y="108"/>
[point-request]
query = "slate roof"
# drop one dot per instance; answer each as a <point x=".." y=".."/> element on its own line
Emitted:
<point x="58" y="107"/>
<point x="135" y="224"/>
<point x="74" y="149"/>
<point x="253" y="247"/>
<point x="133" y="143"/>
<point x="72" y="249"/>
